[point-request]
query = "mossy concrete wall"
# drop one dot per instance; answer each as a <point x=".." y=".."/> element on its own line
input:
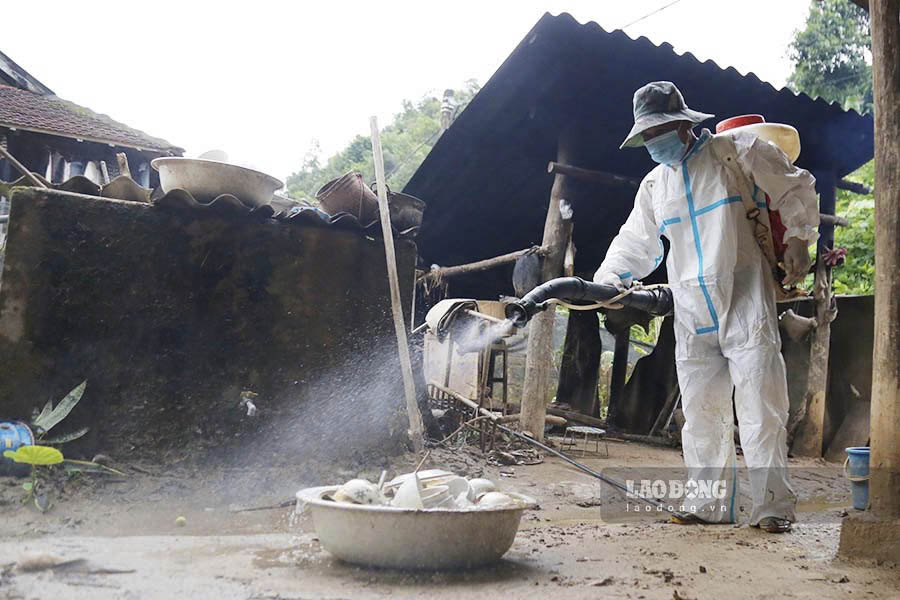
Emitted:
<point x="169" y="315"/>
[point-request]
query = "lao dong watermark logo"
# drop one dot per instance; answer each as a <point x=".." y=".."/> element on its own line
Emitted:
<point x="691" y="495"/>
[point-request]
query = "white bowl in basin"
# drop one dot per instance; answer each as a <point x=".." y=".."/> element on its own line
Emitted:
<point x="385" y="536"/>
<point x="207" y="179"/>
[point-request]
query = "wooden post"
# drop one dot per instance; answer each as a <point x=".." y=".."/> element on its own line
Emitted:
<point x="122" y="159"/>
<point x="416" y="427"/>
<point x="875" y="534"/>
<point x="580" y="369"/>
<point x="885" y="421"/>
<point x="538" y="362"/>
<point x="618" y="376"/>
<point x="808" y="441"/>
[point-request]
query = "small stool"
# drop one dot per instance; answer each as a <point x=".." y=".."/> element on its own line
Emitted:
<point x="588" y="431"/>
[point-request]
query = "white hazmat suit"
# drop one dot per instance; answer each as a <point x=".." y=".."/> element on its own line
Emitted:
<point x="726" y="326"/>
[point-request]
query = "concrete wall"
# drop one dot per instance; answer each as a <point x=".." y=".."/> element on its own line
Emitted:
<point x="169" y="315"/>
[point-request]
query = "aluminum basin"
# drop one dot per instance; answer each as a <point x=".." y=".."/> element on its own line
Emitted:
<point x="383" y="536"/>
<point x="207" y="179"/>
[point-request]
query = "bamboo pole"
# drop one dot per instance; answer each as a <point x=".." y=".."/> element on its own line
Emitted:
<point x="416" y="427"/>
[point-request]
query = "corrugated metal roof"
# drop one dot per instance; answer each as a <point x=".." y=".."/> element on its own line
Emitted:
<point x="485" y="182"/>
<point x="24" y="109"/>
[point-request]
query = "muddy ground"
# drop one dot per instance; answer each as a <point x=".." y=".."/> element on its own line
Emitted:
<point x="125" y="531"/>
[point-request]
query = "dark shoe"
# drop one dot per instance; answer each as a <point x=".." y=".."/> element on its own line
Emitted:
<point x="774" y="525"/>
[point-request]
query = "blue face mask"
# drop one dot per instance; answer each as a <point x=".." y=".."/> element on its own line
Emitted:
<point x="666" y="149"/>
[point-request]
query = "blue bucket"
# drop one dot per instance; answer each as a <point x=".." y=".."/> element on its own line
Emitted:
<point x="12" y="435"/>
<point x="856" y="469"/>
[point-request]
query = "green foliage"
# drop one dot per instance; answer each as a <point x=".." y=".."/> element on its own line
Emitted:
<point x="831" y="56"/>
<point x="857" y="275"/>
<point x="35" y="455"/>
<point x="51" y="416"/>
<point x="405" y="142"/>
<point x="831" y="60"/>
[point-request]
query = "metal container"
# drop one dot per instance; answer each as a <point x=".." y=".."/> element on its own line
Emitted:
<point x="385" y="536"/>
<point x="406" y="210"/>
<point x="349" y="194"/>
<point x="207" y="179"/>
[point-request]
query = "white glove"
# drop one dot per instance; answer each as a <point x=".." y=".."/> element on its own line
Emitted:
<point x="609" y="279"/>
<point x="796" y="261"/>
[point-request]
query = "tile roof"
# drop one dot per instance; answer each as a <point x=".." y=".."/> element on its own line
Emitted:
<point x="51" y="114"/>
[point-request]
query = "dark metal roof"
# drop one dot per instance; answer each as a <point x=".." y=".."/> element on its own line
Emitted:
<point x="485" y="182"/>
<point x="14" y="75"/>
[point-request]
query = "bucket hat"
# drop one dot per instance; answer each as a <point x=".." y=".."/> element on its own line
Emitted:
<point x="657" y="103"/>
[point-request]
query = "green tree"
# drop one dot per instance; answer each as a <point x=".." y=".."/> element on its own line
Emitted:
<point x="832" y="55"/>
<point x="857" y="275"/>
<point x="831" y="59"/>
<point x="405" y="142"/>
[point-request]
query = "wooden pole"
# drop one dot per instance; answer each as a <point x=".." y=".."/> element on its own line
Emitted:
<point x="21" y="168"/>
<point x="875" y="534"/>
<point x="808" y="441"/>
<point x="416" y="427"/>
<point x="122" y="159"/>
<point x="538" y="361"/>
<point x="618" y="376"/>
<point x="579" y="372"/>
<point x="482" y="265"/>
<point x="884" y="497"/>
<point x="592" y="175"/>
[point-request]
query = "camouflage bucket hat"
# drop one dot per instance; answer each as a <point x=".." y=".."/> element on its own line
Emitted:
<point x="655" y="104"/>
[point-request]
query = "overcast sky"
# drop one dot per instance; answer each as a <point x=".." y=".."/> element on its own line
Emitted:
<point x="262" y="79"/>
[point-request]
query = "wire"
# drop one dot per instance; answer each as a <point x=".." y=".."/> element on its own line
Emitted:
<point x="410" y="155"/>
<point x="650" y="14"/>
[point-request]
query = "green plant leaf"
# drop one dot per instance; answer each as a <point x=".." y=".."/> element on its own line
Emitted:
<point x="62" y="409"/>
<point x="35" y="455"/>
<point x="48" y="408"/>
<point x="67" y="437"/>
<point x="27" y="486"/>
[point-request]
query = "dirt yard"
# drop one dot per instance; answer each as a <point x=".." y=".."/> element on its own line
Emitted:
<point x="124" y="531"/>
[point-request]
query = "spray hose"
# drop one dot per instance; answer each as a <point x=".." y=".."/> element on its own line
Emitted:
<point x="568" y="291"/>
<point x="612" y="303"/>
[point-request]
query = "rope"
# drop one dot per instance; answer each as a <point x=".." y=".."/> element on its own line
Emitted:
<point x="612" y="303"/>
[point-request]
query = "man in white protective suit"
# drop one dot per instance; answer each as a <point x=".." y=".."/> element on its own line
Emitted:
<point x="726" y="326"/>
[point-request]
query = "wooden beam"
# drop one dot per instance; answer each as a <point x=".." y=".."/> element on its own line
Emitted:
<point x="416" y="427"/>
<point x="885" y="429"/>
<point x="577" y="417"/>
<point x="834" y="220"/>
<point x="538" y="361"/>
<point x="852" y="186"/>
<point x="593" y="176"/>
<point x="809" y="438"/>
<point x="481" y="265"/>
